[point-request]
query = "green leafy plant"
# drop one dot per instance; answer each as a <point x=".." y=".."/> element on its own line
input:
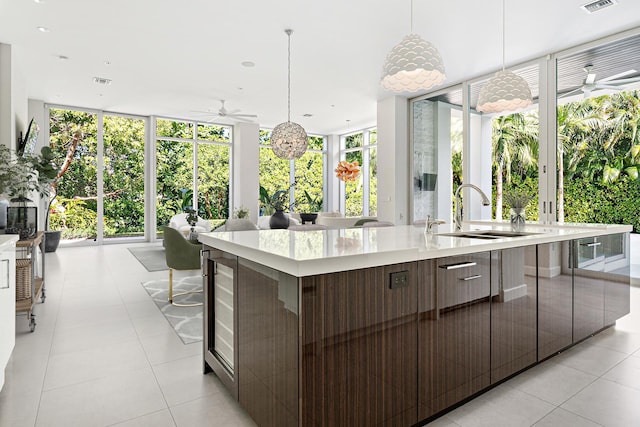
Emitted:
<point x="280" y="200"/>
<point x="314" y="203"/>
<point x="192" y="216"/>
<point x="517" y="199"/>
<point x="241" y="212"/>
<point x="277" y="202"/>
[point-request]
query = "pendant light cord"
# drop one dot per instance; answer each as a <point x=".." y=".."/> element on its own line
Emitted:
<point x="289" y="76"/>
<point x="503" y="33"/>
<point x="411" y="25"/>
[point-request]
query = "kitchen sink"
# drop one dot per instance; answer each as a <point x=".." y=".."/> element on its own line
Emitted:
<point x="487" y="234"/>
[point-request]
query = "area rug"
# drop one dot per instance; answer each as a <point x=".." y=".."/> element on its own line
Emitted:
<point x="151" y="257"/>
<point x="186" y="321"/>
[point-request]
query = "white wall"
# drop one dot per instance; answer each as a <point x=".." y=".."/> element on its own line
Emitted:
<point x="245" y="167"/>
<point x="393" y="160"/>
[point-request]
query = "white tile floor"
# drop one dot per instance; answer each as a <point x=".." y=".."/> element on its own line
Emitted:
<point x="102" y="355"/>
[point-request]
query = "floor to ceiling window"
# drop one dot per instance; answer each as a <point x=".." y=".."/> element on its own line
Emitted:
<point x="359" y="197"/>
<point x="300" y="177"/>
<point x="598" y="144"/>
<point x="192" y="170"/>
<point x="100" y="158"/>
<point x="512" y="140"/>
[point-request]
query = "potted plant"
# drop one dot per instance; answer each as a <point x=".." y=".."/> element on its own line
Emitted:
<point x="518" y="201"/>
<point x="314" y="205"/>
<point x="241" y="213"/>
<point x="279" y="201"/>
<point x="48" y="177"/>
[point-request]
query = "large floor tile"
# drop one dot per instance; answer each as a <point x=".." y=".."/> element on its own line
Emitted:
<point x="88" y="336"/>
<point x="182" y="380"/>
<point x="562" y="418"/>
<point x="607" y="403"/>
<point x="589" y="358"/>
<point x="501" y="407"/>
<point x="443" y="421"/>
<point x="552" y="382"/>
<point x="102" y="402"/>
<point x="19" y="409"/>
<point x="80" y="366"/>
<point x="157" y="419"/>
<point x="618" y="339"/>
<point x="168" y="347"/>
<point x="219" y="407"/>
<point x="626" y="372"/>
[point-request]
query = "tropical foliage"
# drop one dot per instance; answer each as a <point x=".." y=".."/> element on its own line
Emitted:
<point x="598" y="152"/>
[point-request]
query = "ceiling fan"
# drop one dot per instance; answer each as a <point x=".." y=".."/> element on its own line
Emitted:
<point x="590" y="84"/>
<point x="224" y="113"/>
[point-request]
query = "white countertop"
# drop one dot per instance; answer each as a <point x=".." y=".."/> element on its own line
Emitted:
<point x="305" y="253"/>
<point x="8" y="240"/>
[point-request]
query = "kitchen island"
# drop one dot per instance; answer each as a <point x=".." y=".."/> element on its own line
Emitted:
<point x="391" y="326"/>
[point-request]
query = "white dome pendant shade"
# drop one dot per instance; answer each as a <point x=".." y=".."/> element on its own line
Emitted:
<point x="505" y="91"/>
<point x="289" y="139"/>
<point x="412" y="64"/>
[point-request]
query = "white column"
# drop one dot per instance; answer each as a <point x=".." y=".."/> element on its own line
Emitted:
<point x="332" y="203"/>
<point x="393" y="160"/>
<point x="245" y="162"/>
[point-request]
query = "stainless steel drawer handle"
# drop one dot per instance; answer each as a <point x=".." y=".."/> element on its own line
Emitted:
<point x="477" y="276"/>
<point x="459" y="265"/>
<point x="590" y="245"/>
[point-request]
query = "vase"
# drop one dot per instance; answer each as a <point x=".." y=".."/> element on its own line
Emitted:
<point x="279" y="220"/>
<point x="308" y="217"/>
<point x="517" y="218"/>
<point x="52" y="240"/>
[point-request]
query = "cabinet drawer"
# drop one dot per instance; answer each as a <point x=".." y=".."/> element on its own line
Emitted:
<point x="462" y="279"/>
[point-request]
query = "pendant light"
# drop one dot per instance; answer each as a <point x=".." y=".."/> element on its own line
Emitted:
<point x="288" y="139"/>
<point x="505" y="91"/>
<point x="412" y="64"/>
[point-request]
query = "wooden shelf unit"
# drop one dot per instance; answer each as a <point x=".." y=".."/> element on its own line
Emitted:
<point x="33" y="283"/>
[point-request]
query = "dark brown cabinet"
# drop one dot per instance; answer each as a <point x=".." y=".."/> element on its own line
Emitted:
<point x="555" y="298"/>
<point x="588" y="288"/>
<point x="359" y="347"/>
<point x="513" y="311"/>
<point x="616" y="277"/>
<point x="399" y="344"/>
<point x="453" y="330"/>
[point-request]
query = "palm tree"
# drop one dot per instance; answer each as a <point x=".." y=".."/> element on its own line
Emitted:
<point x="578" y="123"/>
<point x="514" y="138"/>
<point x="621" y="143"/>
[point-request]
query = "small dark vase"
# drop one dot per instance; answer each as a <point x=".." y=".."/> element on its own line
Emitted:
<point x="308" y="217"/>
<point x="279" y="220"/>
<point x="52" y="240"/>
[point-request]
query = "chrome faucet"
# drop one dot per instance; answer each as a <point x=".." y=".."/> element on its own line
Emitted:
<point x="429" y="223"/>
<point x="458" y="203"/>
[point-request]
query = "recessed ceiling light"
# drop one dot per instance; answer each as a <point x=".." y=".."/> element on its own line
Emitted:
<point x="307" y="115"/>
<point x="39" y="1"/>
<point x="102" y="80"/>
<point x="248" y="64"/>
<point x="43" y="29"/>
<point x="63" y="57"/>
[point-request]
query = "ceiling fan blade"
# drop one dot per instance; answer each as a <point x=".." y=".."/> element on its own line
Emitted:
<point x="242" y="115"/>
<point x="621" y="82"/>
<point x="617" y="76"/>
<point x="612" y="87"/>
<point x="571" y="93"/>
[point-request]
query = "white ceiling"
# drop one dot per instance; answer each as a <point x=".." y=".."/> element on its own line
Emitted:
<point x="171" y="57"/>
